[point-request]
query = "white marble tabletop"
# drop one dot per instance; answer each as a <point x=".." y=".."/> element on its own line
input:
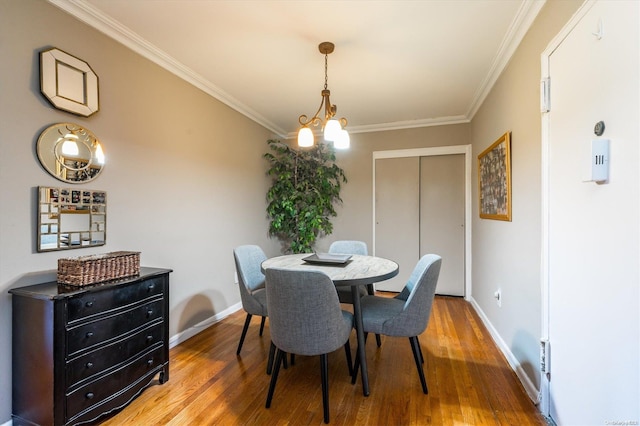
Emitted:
<point x="359" y="270"/>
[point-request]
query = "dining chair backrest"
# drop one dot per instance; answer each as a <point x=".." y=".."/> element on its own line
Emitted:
<point x="418" y="295"/>
<point x="304" y="312"/>
<point x="348" y="247"/>
<point x="248" y="259"/>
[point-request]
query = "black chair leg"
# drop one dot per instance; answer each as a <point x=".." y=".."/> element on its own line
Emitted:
<point x="347" y="351"/>
<point x="244" y="333"/>
<point x="272" y="351"/>
<point x="420" y="349"/>
<point x="262" y="325"/>
<point x="378" y="341"/>
<point x="293" y="359"/>
<point x="415" y="348"/>
<point x="274" y="377"/>
<point x="356" y="364"/>
<point x="324" y="372"/>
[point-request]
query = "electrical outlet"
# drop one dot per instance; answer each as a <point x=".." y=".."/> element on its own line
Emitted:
<point x="498" y="297"/>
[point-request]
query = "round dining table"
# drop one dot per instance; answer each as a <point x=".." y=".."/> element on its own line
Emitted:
<point x="355" y="271"/>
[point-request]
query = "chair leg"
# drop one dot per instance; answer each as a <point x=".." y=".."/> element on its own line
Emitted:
<point x="293" y="359"/>
<point x="244" y="333"/>
<point x="356" y="364"/>
<point x="274" y="377"/>
<point x="420" y="349"/>
<point x="272" y="351"/>
<point x="371" y="291"/>
<point x="415" y="348"/>
<point x="262" y="325"/>
<point x="324" y="372"/>
<point x="347" y="351"/>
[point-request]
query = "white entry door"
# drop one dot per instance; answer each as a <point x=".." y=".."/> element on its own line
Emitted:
<point x="593" y="229"/>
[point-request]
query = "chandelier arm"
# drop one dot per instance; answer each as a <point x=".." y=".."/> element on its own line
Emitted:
<point x="313" y="120"/>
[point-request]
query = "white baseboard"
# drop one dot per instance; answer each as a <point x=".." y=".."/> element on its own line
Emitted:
<point x="202" y="325"/>
<point x="529" y="387"/>
<point x="8" y="423"/>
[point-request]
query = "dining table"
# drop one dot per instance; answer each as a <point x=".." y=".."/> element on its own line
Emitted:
<point x="349" y="270"/>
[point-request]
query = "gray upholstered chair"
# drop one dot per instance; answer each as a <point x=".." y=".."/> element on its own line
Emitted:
<point x="305" y="319"/>
<point x="344" y="292"/>
<point x="248" y="259"/>
<point x="407" y="314"/>
<point x="350" y="247"/>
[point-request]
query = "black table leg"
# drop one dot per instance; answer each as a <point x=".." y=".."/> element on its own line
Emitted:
<point x="355" y="294"/>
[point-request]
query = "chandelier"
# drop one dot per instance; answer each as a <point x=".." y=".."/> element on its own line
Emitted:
<point x="333" y="128"/>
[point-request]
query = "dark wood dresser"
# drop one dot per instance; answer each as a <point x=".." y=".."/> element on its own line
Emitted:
<point x="81" y="352"/>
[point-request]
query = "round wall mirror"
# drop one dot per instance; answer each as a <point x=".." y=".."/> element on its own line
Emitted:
<point x="70" y="152"/>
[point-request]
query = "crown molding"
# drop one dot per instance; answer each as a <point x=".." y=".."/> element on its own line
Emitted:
<point x="93" y="17"/>
<point x="397" y="125"/>
<point x="518" y="29"/>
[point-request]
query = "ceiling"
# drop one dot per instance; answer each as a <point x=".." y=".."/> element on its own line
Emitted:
<point x="396" y="64"/>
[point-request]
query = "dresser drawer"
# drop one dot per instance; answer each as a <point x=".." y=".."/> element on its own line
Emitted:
<point x="91" y="333"/>
<point x="108" y="386"/>
<point x="109" y="356"/>
<point x="94" y="303"/>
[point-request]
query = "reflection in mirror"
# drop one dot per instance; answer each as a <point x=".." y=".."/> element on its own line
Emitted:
<point x="70" y="153"/>
<point x="71" y="218"/>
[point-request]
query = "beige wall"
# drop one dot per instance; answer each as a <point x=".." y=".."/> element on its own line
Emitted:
<point x="506" y="255"/>
<point x="185" y="177"/>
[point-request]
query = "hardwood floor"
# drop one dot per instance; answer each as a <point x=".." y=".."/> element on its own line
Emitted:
<point x="470" y="382"/>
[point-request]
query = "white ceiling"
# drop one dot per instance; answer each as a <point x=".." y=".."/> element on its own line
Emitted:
<point x="397" y="64"/>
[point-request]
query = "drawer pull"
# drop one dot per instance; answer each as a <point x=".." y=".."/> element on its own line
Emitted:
<point x="89" y="365"/>
<point x="149" y="313"/>
<point x="149" y="338"/>
<point x="151" y="287"/>
<point x="89" y="334"/>
<point x="150" y="362"/>
<point x="89" y="395"/>
<point x="89" y="304"/>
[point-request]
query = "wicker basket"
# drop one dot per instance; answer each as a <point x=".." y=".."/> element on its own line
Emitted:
<point x="92" y="269"/>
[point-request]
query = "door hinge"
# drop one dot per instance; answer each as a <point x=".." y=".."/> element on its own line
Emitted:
<point x="544" y="356"/>
<point x="545" y="105"/>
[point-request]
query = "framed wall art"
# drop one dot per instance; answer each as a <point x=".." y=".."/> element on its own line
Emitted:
<point x="494" y="180"/>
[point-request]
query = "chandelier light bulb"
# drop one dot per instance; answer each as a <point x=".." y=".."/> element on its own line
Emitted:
<point x="305" y="137"/>
<point x="69" y="146"/>
<point x="342" y="141"/>
<point x="332" y="130"/>
<point x="99" y="154"/>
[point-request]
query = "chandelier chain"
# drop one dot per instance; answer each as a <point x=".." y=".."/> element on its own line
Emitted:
<point x="326" y="78"/>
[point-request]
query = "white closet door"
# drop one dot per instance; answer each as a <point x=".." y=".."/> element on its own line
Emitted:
<point x="442" y="218"/>
<point x="397" y="216"/>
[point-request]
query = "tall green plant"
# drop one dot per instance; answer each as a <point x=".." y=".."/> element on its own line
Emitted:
<point x="305" y="186"/>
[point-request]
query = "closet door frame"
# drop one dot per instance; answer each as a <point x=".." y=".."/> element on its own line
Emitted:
<point x="428" y="152"/>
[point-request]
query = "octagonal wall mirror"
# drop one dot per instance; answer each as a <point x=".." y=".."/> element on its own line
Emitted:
<point x="70" y="153"/>
<point x="68" y="82"/>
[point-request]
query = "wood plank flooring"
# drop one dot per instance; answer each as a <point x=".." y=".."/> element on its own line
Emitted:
<point x="469" y="380"/>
